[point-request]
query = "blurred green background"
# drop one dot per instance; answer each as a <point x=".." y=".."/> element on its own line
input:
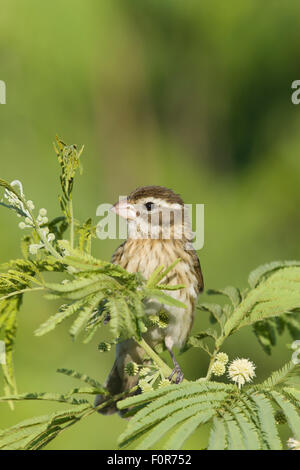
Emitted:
<point x="191" y="95"/>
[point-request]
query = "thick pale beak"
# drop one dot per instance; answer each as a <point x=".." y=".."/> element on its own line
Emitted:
<point x="124" y="209"/>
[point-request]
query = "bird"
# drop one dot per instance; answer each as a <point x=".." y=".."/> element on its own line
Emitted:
<point x="159" y="232"/>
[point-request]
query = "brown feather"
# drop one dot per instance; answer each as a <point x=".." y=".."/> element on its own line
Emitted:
<point x="155" y="191"/>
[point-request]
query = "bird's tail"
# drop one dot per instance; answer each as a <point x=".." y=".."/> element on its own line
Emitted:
<point x="118" y="381"/>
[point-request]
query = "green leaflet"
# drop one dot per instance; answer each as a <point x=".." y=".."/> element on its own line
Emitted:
<point x="282" y="376"/>
<point x="260" y="273"/>
<point x="187" y="428"/>
<point x="160" y="273"/>
<point x="290" y="411"/>
<point x="199" y="340"/>
<point x="76" y="285"/>
<point x="163" y="298"/>
<point x="217" y="438"/>
<point x="248" y="431"/>
<point x="35" y="433"/>
<point x="231" y="292"/>
<point x="217" y="313"/>
<point x="83" y="377"/>
<point x="203" y="412"/>
<point x="8" y="322"/>
<point x="234" y="437"/>
<point x="56" y="319"/>
<point x="85" y="314"/>
<point x="171" y="408"/>
<point x="278" y="294"/>
<point x="85" y="262"/>
<point x="44" y="396"/>
<point x="267" y="421"/>
<point x="69" y="158"/>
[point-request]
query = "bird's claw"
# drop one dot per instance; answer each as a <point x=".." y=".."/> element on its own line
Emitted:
<point x="179" y="375"/>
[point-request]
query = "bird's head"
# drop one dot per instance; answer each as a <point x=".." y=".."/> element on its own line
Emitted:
<point x="155" y="212"/>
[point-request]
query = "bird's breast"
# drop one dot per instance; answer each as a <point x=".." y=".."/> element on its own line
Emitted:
<point x="145" y="256"/>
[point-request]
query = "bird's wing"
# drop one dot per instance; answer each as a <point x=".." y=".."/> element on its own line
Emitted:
<point x="197" y="268"/>
<point x="116" y="257"/>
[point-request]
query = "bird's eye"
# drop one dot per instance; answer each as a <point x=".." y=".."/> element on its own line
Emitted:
<point x="149" y="206"/>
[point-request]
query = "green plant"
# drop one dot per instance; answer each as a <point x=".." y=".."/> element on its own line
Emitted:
<point x="241" y="416"/>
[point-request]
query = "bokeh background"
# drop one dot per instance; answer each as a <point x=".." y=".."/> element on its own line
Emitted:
<point x="192" y="95"/>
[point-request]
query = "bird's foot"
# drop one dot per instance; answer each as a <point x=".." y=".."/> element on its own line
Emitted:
<point x="179" y="374"/>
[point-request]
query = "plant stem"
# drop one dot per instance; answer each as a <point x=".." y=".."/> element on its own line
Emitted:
<point x="71" y="223"/>
<point x="17" y="292"/>
<point x="113" y="399"/>
<point x="212" y="360"/>
<point x="158" y="361"/>
<point x="47" y="244"/>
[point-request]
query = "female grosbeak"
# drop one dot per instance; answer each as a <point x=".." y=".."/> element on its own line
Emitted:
<point x="159" y="232"/>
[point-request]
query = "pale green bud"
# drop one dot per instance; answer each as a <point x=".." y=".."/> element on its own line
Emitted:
<point x="222" y="357"/>
<point x="43" y="212"/>
<point x="218" y="368"/>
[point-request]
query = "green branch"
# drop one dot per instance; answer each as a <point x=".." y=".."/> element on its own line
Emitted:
<point x="22" y="291"/>
<point x="156" y="359"/>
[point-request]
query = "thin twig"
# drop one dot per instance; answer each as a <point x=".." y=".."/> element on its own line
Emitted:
<point x="22" y="291"/>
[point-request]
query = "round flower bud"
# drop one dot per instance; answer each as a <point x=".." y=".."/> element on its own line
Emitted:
<point x="222" y="357"/>
<point x="131" y="369"/>
<point x="22" y="225"/>
<point x="104" y="347"/>
<point x="33" y="249"/>
<point x="280" y="417"/>
<point x="218" y="368"/>
<point x="30" y="205"/>
<point x="43" y="212"/>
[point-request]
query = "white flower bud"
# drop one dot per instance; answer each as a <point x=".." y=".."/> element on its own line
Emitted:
<point x="218" y="368"/>
<point x="33" y="249"/>
<point x="222" y="357"/>
<point x="43" y="212"/>
<point x="45" y="231"/>
<point x="22" y="225"/>
<point x="30" y="205"/>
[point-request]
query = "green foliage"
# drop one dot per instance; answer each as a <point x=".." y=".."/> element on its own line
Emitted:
<point x="93" y="289"/>
<point x="270" y="305"/>
<point x="36" y="433"/>
<point x="240" y="420"/>
<point x="69" y="159"/>
<point x="96" y="293"/>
